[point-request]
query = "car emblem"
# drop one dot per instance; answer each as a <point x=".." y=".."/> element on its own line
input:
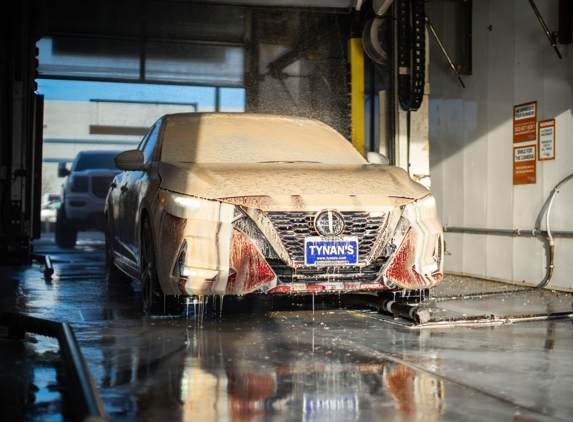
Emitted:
<point x="329" y="223"/>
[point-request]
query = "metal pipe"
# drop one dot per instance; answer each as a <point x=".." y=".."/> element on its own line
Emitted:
<point x="549" y="273"/>
<point x="534" y="232"/>
<point x="414" y="313"/>
<point x="551" y="198"/>
<point x="507" y="232"/>
<point x="479" y="295"/>
<point x="494" y="319"/>
<point x="542" y="22"/>
<point x="391" y="142"/>
<point x="86" y="403"/>
<point x="45" y="259"/>
<point x="537" y="317"/>
<point x="48" y="267"/>
<point x="434" y="33"/>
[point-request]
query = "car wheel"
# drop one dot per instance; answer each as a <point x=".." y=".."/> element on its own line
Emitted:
<point x="64" y="235"/>
<point x="155" y="302"/>
<point x="112" y="273"/>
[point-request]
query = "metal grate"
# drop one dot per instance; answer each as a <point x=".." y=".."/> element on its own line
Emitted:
<point x="293" y="227"/>
<point x="100" y="185"/>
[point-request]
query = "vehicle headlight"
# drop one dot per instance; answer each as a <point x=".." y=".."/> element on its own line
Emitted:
<point x="421" y="209"/>
<point x="424" y="220"/>
<point x="185" y="206"/>
<point x="80" y="183"/>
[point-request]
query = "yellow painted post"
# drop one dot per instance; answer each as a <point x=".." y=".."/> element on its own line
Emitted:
<point x="356" y="58"/>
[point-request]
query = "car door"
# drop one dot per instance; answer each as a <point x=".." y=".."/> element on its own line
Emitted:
<point x="136" y="190"/>
<point x="114" y="213"/>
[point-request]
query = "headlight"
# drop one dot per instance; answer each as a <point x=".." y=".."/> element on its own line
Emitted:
<point x="185" y="206"/>
<point x="424" y="220"/>
<point x="80" y="183"/>
<point x="421" y="209"/>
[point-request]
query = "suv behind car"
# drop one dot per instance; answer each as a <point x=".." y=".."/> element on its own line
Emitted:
<point x="83" y="195"/>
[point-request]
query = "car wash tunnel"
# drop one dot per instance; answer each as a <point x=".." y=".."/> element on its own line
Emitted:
<point x="286" y="210"/>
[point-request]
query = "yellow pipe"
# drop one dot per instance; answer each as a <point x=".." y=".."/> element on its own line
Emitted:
<point x="356" y="59"/>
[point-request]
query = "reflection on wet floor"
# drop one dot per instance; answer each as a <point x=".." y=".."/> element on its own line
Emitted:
<point x="283" y="359"/>
<point x="292" y="364"/>
<point x="233" y="374"/>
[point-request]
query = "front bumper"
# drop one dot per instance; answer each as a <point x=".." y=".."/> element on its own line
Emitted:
<point x="221" y="249"/>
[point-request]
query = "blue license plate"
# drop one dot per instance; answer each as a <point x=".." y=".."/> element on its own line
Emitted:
<point x="330" y="251"/>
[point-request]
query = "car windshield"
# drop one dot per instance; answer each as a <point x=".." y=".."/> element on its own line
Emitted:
<point x="244" y="138"/>
<point x="96" y="161"/>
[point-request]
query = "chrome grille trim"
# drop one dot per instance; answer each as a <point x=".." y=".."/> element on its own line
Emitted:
<point x="293" y="227"/>
<point x="100" y="185"/>
<point x="313" y="275"/>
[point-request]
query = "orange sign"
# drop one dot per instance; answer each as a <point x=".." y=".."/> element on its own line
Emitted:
<point x="525" y="122"/>
<point x="547" y="140"/>
<point x="524" y="165"/>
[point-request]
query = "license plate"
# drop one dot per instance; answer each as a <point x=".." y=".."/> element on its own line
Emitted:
<point x="327" y="408"/>
<point x="323" y="251"/>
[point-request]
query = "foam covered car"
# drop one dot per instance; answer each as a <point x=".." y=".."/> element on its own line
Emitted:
<point x="235" y="204"/>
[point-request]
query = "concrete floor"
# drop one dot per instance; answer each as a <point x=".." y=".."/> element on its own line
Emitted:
<point x="295" y="358"/>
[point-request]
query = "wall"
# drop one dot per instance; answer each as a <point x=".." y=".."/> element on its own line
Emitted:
<point x="471" y="140"/>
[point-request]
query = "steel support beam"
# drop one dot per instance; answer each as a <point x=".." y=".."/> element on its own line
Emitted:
<point x="356" y="60"/>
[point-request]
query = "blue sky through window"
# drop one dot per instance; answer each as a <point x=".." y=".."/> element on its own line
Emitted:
<point x="68" y="90"/>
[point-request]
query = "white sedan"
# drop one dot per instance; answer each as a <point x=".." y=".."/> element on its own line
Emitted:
<point x="231" y="204"/>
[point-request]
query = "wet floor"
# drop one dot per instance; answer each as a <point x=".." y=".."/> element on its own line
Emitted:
<point x="285" y="359"/>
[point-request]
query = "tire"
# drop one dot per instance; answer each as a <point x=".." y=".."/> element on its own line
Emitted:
<point x="112" y="273"/>
<point x="64" y="235"/>
<point x="155" y="302"/>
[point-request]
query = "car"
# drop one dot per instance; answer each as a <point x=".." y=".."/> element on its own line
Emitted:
<point x="51" y="202"/>
<point x="83" y="194"/>
<point x="214" y="204"/>
<point x="48" y="213"/>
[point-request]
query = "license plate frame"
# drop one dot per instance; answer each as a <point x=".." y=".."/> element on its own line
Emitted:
<point x="330" y="251"/>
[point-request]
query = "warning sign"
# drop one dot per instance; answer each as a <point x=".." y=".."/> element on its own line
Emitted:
<point x="525" y="122"/>
<point x="524" y="165"/>
<point x="547" y="140"/>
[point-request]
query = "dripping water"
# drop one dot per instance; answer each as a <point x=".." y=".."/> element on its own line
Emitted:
<point x="200" y="309"/>
<point x="313" y="306"/>
<point x="221" y="307"/>
<point x="191" y="300"/>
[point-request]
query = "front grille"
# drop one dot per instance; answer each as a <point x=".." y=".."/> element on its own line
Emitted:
<point x="100" y="185"/>
<point x="293" y="227"/>
<point x="310" y="275"/>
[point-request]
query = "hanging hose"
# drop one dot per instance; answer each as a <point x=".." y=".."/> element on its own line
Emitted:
<point x="548" y="274"/>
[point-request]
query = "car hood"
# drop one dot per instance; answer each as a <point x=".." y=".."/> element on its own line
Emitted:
<point x="286" y="186"/>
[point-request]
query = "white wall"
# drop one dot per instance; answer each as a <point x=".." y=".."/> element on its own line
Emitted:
<point x="471" y="141"/>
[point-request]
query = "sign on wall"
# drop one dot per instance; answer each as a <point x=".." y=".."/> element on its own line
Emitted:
<point x="524" y="165"/>
<point x="525" y="122"/>
<point x="547" y="140"/>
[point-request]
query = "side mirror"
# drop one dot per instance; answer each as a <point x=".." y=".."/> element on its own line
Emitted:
<point x="131" y="160"/>
<point x="377" y="158"/>
<point x="62" y="170"/>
